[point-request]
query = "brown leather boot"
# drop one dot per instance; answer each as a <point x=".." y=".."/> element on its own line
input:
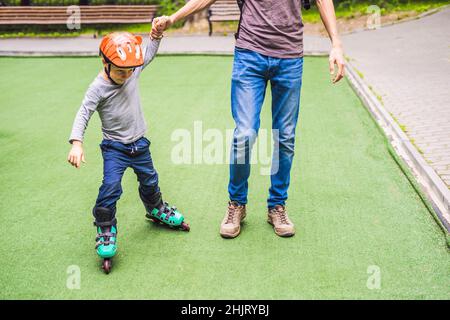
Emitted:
<point x="231" y="223"/>
<point x="282" y="225"/>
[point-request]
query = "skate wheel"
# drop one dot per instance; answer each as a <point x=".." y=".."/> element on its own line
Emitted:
<point x="154" y="220"/>
<point x="107" y="265"/>
<point x="185" y="226"/>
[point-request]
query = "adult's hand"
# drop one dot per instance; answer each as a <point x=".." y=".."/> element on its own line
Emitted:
<point x="160" y="24"/>
<point x="337" y="58"/>
<point x="328" y="16"/>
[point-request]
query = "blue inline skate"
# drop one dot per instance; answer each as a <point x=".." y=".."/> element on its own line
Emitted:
<point x="161" y="212"/>
<point x="106" y="240"/>
<point x="168" y="215"/>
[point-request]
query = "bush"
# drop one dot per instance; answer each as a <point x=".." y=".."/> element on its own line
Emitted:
<point x="168" y="7"/>
<point x="346" y="4"/>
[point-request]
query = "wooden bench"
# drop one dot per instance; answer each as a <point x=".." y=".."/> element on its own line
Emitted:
<point x="223" y="10"/>
<point x="42" y="15"/>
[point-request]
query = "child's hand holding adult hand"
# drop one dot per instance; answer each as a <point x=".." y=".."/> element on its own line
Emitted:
<point x="76" y="154"/>
<point x="160" y="24"/>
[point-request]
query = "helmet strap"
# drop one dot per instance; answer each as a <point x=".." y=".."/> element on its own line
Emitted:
<point x="108" y="71"/>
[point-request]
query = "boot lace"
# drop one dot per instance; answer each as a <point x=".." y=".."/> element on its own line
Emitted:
<point x="232" y="208"/>
<point x="281" y="213"/>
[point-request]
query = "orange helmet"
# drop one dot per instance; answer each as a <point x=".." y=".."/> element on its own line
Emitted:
<point x="122" y="49"/>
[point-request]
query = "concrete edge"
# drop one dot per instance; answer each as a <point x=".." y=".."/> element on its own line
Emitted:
<point x="428" y="180"/>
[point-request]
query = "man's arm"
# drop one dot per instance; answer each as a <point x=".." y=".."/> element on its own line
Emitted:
<point x="193" y="6"/>
<point x="162" y="23"/>
<point x="328" y="16"/>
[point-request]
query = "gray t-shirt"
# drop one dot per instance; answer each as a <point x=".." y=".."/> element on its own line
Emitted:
<point x="272" y="27"/>
<point x="119" y="106"/>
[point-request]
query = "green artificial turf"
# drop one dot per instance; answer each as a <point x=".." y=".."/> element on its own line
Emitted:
<point x="352" y="205"/>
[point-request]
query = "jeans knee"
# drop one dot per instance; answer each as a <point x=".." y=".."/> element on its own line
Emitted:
<point x="244" y="137"/>
<point x="109" y="194"/>
<point x="149" y="181"/>
<point x="111" y="187"/>
<point x="286" y="144"/>
<point x="243" y="140"/>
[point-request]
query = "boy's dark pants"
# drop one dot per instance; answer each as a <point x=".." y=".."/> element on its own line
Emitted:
<point x="117" y="157"/>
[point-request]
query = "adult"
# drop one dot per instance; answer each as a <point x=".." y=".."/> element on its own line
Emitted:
<point x="269" y="48"/>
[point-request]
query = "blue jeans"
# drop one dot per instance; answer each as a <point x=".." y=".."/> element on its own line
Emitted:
<point x="117" y="157"/>
<point x="251" y="73"/>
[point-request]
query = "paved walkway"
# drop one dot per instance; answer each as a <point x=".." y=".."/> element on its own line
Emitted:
<point x="408" y="65"/>
<point x="170" y="44"/>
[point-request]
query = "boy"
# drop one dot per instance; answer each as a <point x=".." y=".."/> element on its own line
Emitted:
<point x="115" y="95"/>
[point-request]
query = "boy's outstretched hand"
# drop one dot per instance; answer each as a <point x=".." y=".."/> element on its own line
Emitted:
<point x="76" y="154"/>
<point x="160" y="24"/>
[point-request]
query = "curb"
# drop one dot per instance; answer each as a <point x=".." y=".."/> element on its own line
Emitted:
<point x="431" y="186"/>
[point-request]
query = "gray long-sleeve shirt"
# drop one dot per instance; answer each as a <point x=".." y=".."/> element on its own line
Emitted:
<point x="118" y="106"/>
